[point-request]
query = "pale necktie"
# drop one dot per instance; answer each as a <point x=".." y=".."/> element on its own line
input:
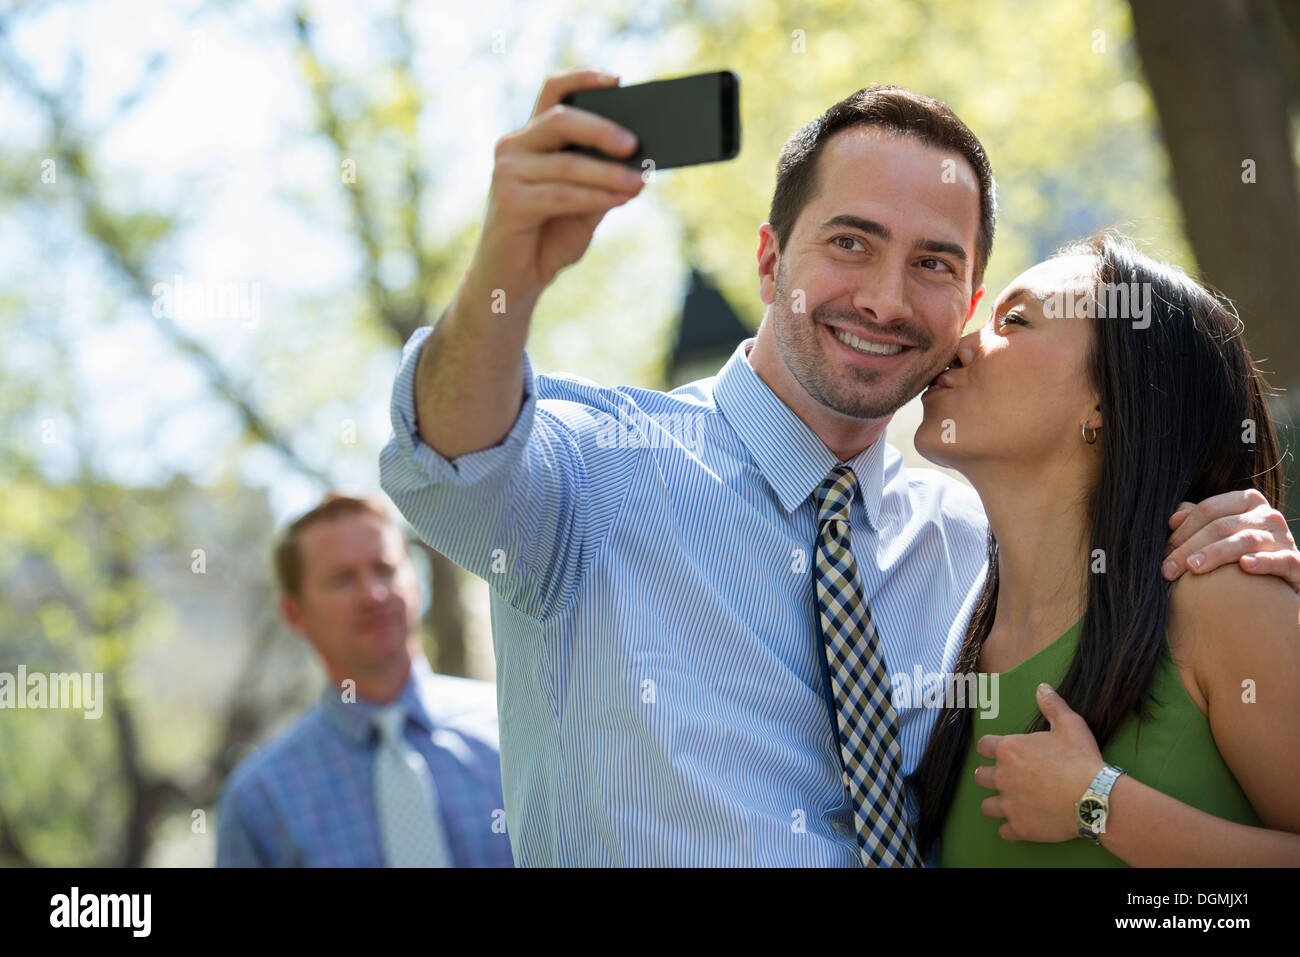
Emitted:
<point x="410" y="822"/>
<point x="867" y="727"/>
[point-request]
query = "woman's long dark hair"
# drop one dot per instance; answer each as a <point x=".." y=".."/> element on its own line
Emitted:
<point x="1181" y="402"/>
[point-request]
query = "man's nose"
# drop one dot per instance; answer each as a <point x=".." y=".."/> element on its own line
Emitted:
<point x="377" y="588"/>
<point x="883" y="291"/>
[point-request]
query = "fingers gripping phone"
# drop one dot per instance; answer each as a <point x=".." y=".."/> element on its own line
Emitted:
<point x="678" y="122"/>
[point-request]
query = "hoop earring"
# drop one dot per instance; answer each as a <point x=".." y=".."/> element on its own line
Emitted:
<point x="1083" y="430"/>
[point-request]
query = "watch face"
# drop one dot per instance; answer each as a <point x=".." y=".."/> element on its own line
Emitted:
<point x="1090" y="811"/>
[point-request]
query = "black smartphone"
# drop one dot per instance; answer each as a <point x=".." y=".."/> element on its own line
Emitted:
<point x="678" y="122"/>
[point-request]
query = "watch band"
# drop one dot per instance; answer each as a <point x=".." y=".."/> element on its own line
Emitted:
<point x="1091" y="810"/>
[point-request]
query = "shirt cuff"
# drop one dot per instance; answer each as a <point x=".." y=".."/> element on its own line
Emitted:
<point x="472" y="467"/>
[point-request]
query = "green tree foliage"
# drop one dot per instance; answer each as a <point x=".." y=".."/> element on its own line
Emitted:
<point x="97" y="564"/>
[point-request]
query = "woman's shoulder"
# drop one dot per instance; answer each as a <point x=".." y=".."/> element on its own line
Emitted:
<point x="1225" y="594"/>
<point x="1243" y="635"/>
<point x="1226" y="618"/>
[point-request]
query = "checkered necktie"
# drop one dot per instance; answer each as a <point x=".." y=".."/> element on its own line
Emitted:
<point x="410" y="823"/>
<point x="866" y="723"/>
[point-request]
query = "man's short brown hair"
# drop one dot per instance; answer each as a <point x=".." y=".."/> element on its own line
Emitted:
<point x="288" y="552"/>
<point x="898" y="111"/>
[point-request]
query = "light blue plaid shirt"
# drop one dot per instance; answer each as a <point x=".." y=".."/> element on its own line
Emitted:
<point x="660" y="668"/>
<point x="306" y="799"/>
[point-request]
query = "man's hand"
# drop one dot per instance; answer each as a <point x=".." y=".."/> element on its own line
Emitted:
<point x="1233" y="527"/>
<point x="546" y="202"/>
<point x="1039" y="776"/>
<point x="543" y="207"/>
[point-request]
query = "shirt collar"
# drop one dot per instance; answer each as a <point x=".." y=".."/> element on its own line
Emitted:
<point x="356" y="719"/>
<point x="793" y="460"/>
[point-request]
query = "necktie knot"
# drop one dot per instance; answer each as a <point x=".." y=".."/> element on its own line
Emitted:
<point x="390" y="722"/>
<point x="835" y="495"/>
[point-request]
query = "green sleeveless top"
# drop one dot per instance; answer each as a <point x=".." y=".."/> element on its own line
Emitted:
<point x="1173" y="752"/>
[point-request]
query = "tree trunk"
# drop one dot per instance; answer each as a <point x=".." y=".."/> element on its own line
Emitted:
<point x="1223" y="79"/>
<point x="445" y="617"/>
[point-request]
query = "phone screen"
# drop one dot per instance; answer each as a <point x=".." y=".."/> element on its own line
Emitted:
<point x="678" y="122"/>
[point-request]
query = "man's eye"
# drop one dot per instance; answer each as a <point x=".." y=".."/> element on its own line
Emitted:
<point x="851" y="239"/>
<point x="1013" y="318"/>
<point x="932" y="263"/>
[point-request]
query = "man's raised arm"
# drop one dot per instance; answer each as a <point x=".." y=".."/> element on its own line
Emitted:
<point x="544" y="204"/>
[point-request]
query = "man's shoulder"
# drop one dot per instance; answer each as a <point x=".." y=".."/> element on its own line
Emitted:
<point x="266" y="764"/>
<point x="557" y="388"/>
<point x="606" y="421"/>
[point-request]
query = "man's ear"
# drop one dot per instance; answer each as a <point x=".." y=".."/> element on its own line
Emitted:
<point x="291" y="612"/>
<point x="974" y="302"/>
<point x="768" y="257"/>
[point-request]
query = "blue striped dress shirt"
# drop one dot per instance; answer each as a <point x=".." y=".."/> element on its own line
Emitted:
<point x="660" y="671"/>
<point x="306" y="799"/>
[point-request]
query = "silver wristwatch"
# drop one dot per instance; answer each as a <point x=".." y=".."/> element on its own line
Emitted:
<point x="1090" y="811"/>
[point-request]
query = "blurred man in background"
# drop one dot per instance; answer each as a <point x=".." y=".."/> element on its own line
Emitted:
<point x="394" y="765"/>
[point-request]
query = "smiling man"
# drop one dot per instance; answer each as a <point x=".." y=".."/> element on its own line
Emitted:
<point x="890" y="261"/>
<point x="694" y="643"/>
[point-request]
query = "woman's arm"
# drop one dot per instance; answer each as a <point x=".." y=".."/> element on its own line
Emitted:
<point x="1146" y="828"/>
<point x="1242" y="636"/>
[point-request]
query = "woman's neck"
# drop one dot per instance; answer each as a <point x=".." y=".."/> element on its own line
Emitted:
<point x="1040" y="518"/>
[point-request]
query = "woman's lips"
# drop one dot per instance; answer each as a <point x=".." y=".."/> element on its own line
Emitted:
<point x="941" y="382"/>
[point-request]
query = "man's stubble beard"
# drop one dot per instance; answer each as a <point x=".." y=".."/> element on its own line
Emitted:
<point x="869" y="394"/>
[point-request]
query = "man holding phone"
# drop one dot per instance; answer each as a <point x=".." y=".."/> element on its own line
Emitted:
<point x="692" y="642"/>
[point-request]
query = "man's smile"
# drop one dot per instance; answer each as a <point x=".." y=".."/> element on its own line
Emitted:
<point x="872" y="350"/>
